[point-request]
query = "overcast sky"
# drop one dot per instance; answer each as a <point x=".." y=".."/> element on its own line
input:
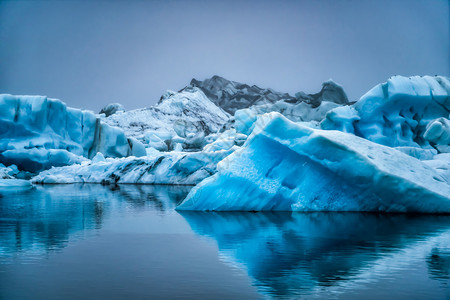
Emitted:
<point x="90" y="53"/>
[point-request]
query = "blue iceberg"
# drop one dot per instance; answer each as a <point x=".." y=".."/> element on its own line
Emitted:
<point x="37" y="133"/>
<point x="285" y="166"/>
<point x="398" y="113"/>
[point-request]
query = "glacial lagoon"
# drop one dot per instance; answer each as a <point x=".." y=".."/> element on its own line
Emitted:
<point x="107" y="242"/>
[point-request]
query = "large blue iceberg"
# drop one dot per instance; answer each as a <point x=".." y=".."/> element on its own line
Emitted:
<point x="37" y="133"/>
<point x="286" y="166"/>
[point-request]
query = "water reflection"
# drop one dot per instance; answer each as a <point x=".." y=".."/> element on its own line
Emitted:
<point x="288" y="255"/>
<point x="291" y="254"/>
<point x="44" y="219"/>
<point x="439" y="264"/>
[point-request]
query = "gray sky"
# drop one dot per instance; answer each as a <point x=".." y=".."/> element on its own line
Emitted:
<point x="90" y="53"/>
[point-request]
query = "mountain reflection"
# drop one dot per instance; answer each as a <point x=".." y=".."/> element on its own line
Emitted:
<point x="291" y="253"/>
<point x="45" y="218"/>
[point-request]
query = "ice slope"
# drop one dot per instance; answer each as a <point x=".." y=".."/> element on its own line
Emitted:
<point x="37" y="132"/>
<point x="232" y="96"/>
<point x="164" y="168"/>
<point x="287" y="166"/>
<point x="398" y="113"/>
<point x="180" y="120"/>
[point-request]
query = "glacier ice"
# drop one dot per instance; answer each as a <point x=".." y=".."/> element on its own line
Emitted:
<point x="7" y="172"/>
<point x="287" y="166"/>
<point x="37" y="132"/>
<point x="385" y="153"/>
<point x="182" y="118"/>
<point x="437" y="133"/>
<point x="14" y="185"/>
<point x="309" y="109"/>
<point x="244" y="119"/>
<point x="161" y="168"/>
<point x="397" y="113"/>
<point x="229" y="139"/>
<point x="441" y="164"/>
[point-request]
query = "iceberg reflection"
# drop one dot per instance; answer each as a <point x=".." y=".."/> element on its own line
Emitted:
<point x="291" y="254"/>
<point x="44" y="219"/>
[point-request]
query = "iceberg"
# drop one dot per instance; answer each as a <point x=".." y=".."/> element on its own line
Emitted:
<point x="37" y="133"/>
<point x="14" y="185"/>
<point x="398" y="113"/>
<point x="308" y="109"/>
<point x="195" y="116"/>
<point x="180" y="121"/>
<point x="438" y="134"/>
<point x="174" y="168"/>
<point x="286" y="166"/>
<point x="8" y="172"/>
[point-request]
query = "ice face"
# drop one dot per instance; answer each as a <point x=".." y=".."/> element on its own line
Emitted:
<point x="397" y="113"/>
<point x="37" y="133"/>
<point x="287" y="166"/>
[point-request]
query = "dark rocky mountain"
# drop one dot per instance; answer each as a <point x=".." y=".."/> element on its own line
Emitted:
<point x="232" y="95"/>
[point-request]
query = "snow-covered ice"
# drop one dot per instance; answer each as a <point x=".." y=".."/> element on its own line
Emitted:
<point x="180" y="118"/>
<point x="287" y="166"/>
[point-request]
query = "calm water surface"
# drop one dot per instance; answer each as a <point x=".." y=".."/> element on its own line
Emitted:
<point x="98" y="242"/>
